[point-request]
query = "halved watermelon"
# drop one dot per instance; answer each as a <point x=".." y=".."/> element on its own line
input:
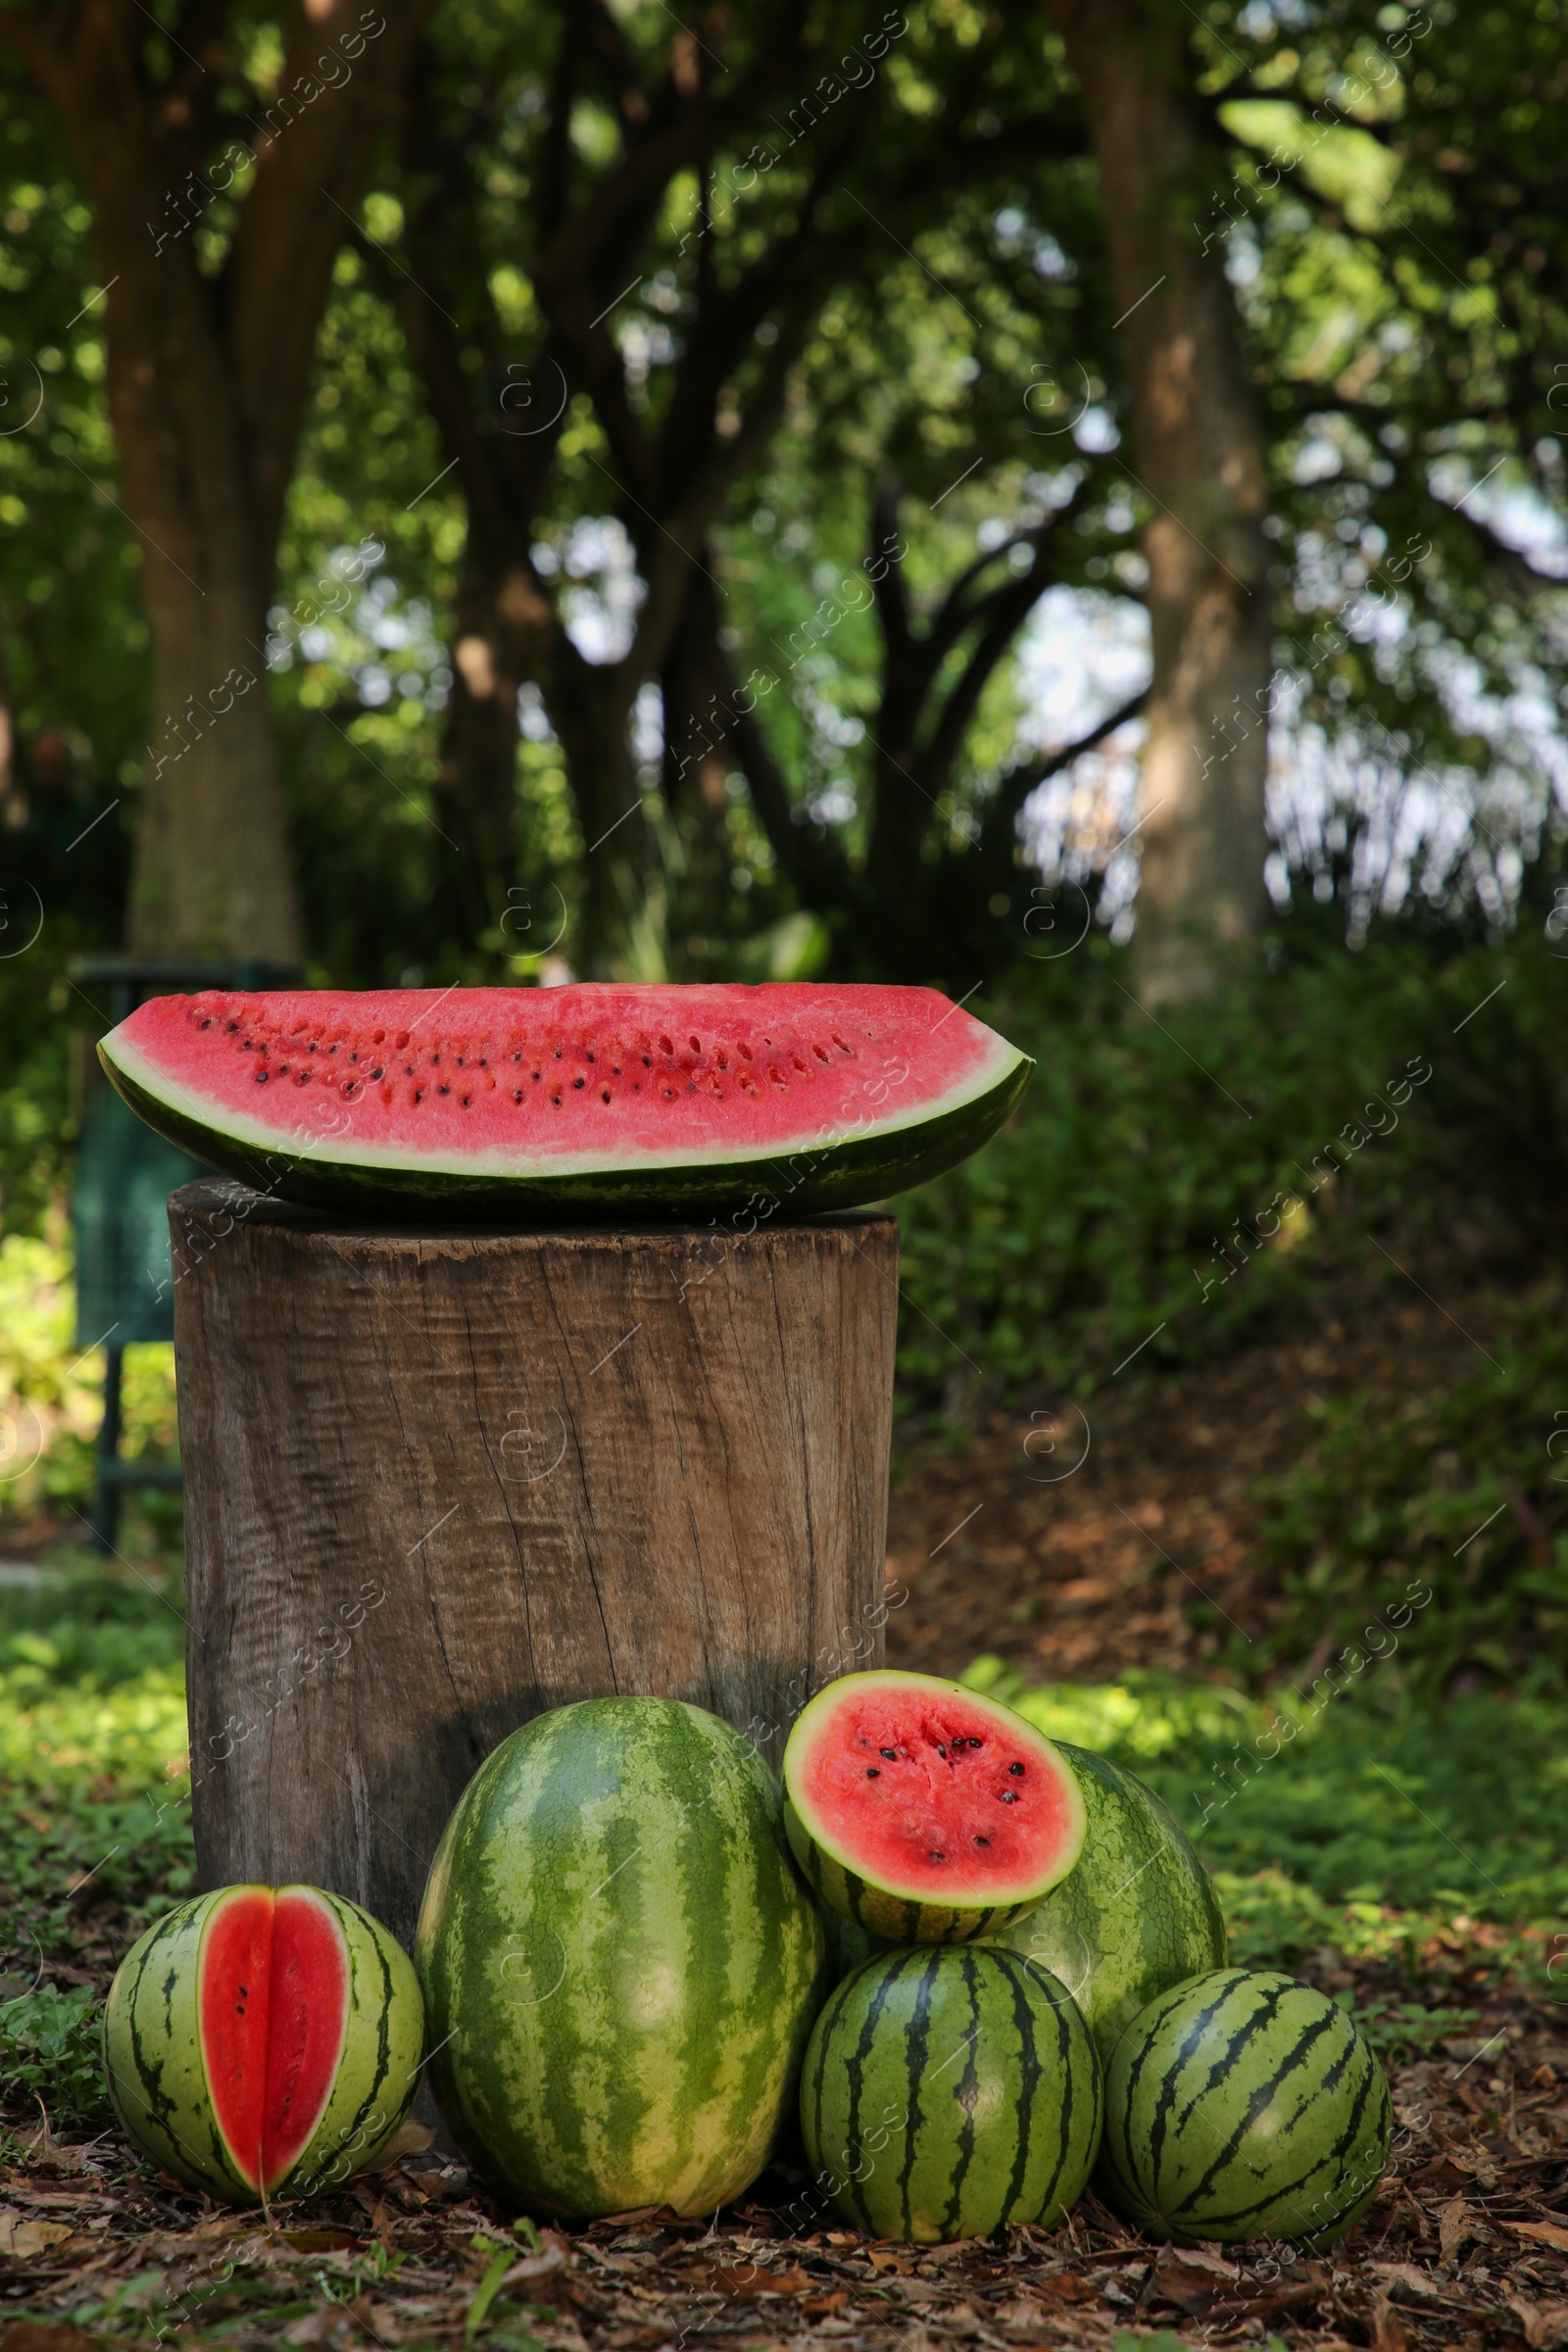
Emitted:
<point x="924" y="1812"/>
<point x="263" y="2041"/>
<point x="587" y="1102"/>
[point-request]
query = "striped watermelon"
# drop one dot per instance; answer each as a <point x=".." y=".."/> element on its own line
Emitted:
<point x="924" y="1812"/>
<point x="1137" y="1916"/>
<point x="1245" y="2105"/>
<point x="621" y="1963"/>
<point x="262" y="2042"/>
<point x="949" y="2092"/>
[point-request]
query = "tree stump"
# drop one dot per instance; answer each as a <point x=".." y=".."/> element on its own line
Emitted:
<point x="439" y="1480"/>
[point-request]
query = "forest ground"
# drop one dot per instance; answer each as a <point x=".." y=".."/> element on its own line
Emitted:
<point x="1134" y="1558"/>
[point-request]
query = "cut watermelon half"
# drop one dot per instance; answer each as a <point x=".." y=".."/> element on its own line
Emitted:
<point x="924" y="1812"/>
<point x="577" y="1102"/>
<point x="274" y="2013"/>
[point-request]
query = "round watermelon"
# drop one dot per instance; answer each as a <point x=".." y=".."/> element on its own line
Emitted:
<point x="924" y="1812"/>
<point x="621" y="1963"/>
<point x="949" y="2092"/>
<point x="262" y="2042"/>
<point x="1243" y="2106"/>
<point x="1136" y="1916"/>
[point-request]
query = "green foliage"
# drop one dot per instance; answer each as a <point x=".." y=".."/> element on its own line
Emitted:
<point x="49" y="2056"/>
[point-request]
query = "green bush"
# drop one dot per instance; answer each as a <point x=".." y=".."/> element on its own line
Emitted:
<point x="1144" y="1185"/>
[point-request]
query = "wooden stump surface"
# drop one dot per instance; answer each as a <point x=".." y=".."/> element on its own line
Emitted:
<point x="437" y="1482"/>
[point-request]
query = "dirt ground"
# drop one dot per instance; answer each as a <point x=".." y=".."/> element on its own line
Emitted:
<point x="1073" y="1541"/>
<point x="1074" y="1544"/>
<point x="1466" y="2246"/>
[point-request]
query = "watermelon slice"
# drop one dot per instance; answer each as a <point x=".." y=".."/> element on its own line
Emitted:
<point x="924" y="1812"/>
<point x="533" y="1103"/>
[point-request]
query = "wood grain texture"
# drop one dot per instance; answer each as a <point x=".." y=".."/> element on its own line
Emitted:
<point x="438" y="1482"/>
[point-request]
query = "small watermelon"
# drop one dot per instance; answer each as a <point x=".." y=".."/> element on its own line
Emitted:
<point x="1243" y="2106"/>
<point x="947" y="2092"/>
<point x="1137" y="1914"/>
<point x="924" y="1812"/>
<point x="592" y="1101"/>
<point x="621" y="1962"/>
<point x="263" y="2041"/>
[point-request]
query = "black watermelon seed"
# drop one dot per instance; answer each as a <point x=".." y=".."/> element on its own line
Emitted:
<point x="941" y="1750"/>
<point x="982" y="1841"/>
<point x="517" y="1097"/>
<point x="261" y="1077"/>
<point x="443" y="1089"/>
<point x="378" y="1073"/>
<point x="1016" y="1770"/>
<point x="579" y="1082"/>
<point x="890" y="1751"/>
<point x="938" y="1857"/>
<point x="1009" y="1797"/>
<point x="873" y="1772"/>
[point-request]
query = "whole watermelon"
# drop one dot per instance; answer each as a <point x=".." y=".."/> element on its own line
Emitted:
<point x="1137" y="1916"/>
<point x="262" y="2042"/>
<point x="1243" y="2106"/>
<point x="948" y="2090"/>
<point x="620" y="1961"/>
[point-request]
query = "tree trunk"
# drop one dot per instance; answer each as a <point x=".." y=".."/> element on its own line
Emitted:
<point x="207" y="378"/>
<point x="438" y="1483"/>
<point x="1201" y="461"/>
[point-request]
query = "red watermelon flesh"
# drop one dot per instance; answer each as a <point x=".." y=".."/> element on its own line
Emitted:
<point x="604" y="1098"/>
<point x="274" y="2010"/>
<point x="907" y="1791"/>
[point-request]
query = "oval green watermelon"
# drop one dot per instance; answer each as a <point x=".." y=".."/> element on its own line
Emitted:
<point x="621" y="1963"/>
<point x="924" y="1812"/>
<point x="589" y="1102"/>
<point x="1243" y="2106"/>
<point x="1136" y="1916"/>
<point x="949" y="2092"/>
<point x="262" y="2042"/>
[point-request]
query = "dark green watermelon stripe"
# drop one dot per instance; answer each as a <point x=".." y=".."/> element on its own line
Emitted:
<point x="916" y="2043"/>
<point x="1029" y="2076"/>
<point x="966" y="2094"/>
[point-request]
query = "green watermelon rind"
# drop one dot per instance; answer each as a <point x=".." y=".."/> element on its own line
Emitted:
<point x="1137" y="1914"/>
<point x="816" y="1176"/>
<point x="621" y="1963"/>
<point x="894" y="1916"/>
<point x="150" y="2042"/>
<point x="947" y="2092"/>
<point x="1177" y="2161"/>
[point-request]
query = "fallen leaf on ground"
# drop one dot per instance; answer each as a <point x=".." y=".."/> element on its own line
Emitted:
<point x="22" y="2239"/>
<point x="1456" y="2225"/>
<point x="1548" y="2233"/>
<point x="1388" y="2331"/>
<point x="1405" y="2275"/>
<point x="1545" y="2324"/>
